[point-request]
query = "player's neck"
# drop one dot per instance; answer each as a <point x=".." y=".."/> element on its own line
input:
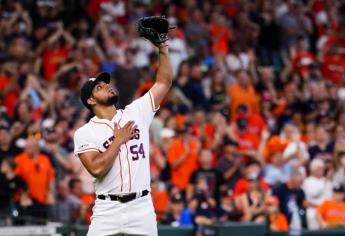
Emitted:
<point x="106" y="112"/>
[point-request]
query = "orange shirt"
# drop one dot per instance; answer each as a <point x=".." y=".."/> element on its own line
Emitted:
<point x="256" y="123"/>
<point x="240" y="95"/>
<point x="37" y="173"/>
<point x="333" y="67"/>
<point x="160" y="202"/>
<point x="332" y="212"/>
<point x="222" y="36"/>
<point x="247" y="141"/>
<point x="279" y="222"/>
<point x="302" y="61"/>
<point x="333" y="64"/>
<point x="207" y="131"/>
<point x="10" y="99"/>
<point x="180" y="175"/>
<point x="241" y="186"/>
<point x="51" y="60"/>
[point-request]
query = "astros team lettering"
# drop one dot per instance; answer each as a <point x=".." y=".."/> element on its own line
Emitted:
<point x="136" y="150"/>
<point x="107" y="143"/>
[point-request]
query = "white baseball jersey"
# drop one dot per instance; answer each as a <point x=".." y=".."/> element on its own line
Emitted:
<point x="131" y="169"/>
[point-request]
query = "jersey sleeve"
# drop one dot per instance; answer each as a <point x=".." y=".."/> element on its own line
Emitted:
<point x="144" y="108"/>
<point x="83" y="142"/>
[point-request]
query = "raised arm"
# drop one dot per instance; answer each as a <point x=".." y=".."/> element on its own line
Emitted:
<point x="164" y="76"/>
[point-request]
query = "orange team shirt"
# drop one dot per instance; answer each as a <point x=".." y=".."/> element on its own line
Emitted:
<point x="160" y="202"/>
<point x="256" y="123"/>
<point x="208" y="131"/>
<point x="239" y="96"/>
<point x="332" y="212"/>
<point x="333" y="66"/>
<point x="38" y="174"/>
<point x="247" y="141"/>
<point x="274" y="144"/>
<point x="301" y="62"/>
<point x="51" y="60"/>
<point x="180" y="175"/>
<point x="222" y="34"/>
<point x="10" y="99"/>
<point x="241" y="186"/>
<point x="279" y="222"/>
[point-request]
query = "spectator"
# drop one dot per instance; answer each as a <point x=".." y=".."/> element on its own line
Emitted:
<point x="317" y="188"/>
<point x="252" y="170"/>
<point x="230" y="164"/>
<point x="75" y="196"/>
<point x="243" y="92"/>
<point x="177" y="50"/>
<point x="196" y="32"/>
<point x="182" y="157"/>
<point x="203" y="207"/>
<point x="56" y="51"/>
<point x="12" y="188"/>
<point x="276" y="220"/>
<point x="277" y="171"/>
<point x="178" y="214"/>
<point x="160" y="198"/>
<point x="157" y="161"/>
<point x="292" y="200"/>
<point x="58" y="154"/>
<point x="339" y="175"/>
<point x="65" y="209"/>
<point x="322" y="147"/>
<point x="37" y="172"/>
<point x="218" y="100"/>
<point x="332" y="211"/>
<point x="124" y="75"/>
<point x="191" y="86"/>
<point x="206" y="171"/>
<point x="253" y="202"/>
<point x="7" y="145"/>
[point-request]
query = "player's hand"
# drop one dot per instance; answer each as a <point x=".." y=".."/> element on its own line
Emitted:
<point x="122" y="135"/>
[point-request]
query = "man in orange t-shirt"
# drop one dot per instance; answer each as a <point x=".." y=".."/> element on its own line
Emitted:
<point x="255" y="122"/>
<point x="220" y="33"/>
<point x="37" y="172"/>
<point x="243" y="92"/>
<point x="8" y="93"/>
<point x="277" y="220"/>
<point x="183" y="158"/>
<point x="331" y="213"/>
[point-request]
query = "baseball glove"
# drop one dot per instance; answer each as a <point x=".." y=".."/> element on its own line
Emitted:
<point x="154" y="28"/>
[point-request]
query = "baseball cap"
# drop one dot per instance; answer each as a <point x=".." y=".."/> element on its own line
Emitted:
<point x="167" y="133"/>
<point x="4" y="125"/>
<point x="338" y="188"/>
<point x="86" y="90"/>
<point x="176" y="198"/>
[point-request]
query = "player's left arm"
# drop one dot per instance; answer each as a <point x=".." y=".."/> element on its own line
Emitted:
<point x="163" y="78"/>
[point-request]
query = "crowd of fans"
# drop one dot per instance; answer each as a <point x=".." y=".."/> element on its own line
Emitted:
<point x="253" y="129"/>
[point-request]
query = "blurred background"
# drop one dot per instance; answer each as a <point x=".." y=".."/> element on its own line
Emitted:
<point x="252" y="131"/>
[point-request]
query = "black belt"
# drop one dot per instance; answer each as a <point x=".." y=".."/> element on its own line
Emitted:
<point x="123" y="198"/>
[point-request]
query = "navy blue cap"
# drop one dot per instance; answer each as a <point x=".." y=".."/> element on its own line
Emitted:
<point x="86" y="90"/>
<point x="338" y="188"/>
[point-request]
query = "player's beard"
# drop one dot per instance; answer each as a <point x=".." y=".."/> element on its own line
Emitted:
<point x="110" y="101"/>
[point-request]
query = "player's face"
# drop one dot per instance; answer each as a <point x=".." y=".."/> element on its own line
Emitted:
<point x="104" y="94"/>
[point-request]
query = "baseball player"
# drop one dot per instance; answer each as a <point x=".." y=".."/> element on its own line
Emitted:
<point x="114" y="148"/>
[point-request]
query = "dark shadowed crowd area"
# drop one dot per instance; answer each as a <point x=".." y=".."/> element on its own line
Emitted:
<point x="252" y="130"/>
